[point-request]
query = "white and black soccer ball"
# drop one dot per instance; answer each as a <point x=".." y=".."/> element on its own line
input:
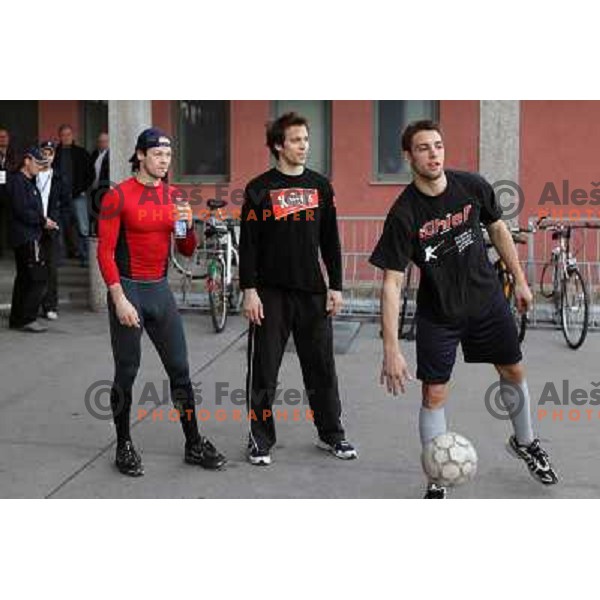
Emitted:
<point x="449" y="459"/>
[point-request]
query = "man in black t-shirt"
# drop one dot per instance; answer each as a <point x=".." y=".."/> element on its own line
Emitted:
<point x="435" y="223"/>
<point x="289" y="215"/>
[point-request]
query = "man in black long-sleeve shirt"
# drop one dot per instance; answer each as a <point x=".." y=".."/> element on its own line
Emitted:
<point x="289" y="214"/>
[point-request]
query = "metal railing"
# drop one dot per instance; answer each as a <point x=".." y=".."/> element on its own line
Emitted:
<point x="585" y="246"/>
<point x="362" y="281"/>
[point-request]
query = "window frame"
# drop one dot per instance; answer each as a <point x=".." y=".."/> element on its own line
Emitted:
<point x="392" y="178"/>
<point x="328" y="134"/>
<point x="190" y="179"/>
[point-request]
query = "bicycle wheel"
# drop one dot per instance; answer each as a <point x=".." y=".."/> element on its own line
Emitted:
<point x="190" y="269"/>
<point x="234" y="296"/>
<point x="234" y="293"/>
<point x="547" y="287"/>
<point x="574" y="308"/>
<point x="217" y="294"/>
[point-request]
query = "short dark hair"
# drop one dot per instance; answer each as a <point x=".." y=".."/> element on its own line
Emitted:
<point x="413" y="128"/>
<point x="276" y="129"/>
<point x="63" y="127"/>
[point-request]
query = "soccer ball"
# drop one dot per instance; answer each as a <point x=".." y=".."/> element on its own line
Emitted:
<point x="449" y="459"/>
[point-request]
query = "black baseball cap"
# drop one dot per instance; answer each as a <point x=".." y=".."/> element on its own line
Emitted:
<point x="152" y="138"/>
<point x="48" y="145"/>
<point x="35" y="152"/>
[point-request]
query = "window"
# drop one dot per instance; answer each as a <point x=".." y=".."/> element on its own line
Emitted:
<point x="203" y="140"/>
<point x="318" y="113"/>
<point x="20" y="117"/>
<point x="391" y="117"/>
<point x="95" y="121"/>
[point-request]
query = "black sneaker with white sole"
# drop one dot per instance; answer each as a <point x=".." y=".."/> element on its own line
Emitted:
<point x="342" y="449"/>
<point x="435" y="492"/>
<point x="203" y="453"/>
<point x="128" y="460"/>
<point x="536" y="458"/>
<point x="257" y="456"/>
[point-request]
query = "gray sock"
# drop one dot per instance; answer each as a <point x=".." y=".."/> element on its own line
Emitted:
<point x="431" y="424"/>
<point x="515" y="397"/>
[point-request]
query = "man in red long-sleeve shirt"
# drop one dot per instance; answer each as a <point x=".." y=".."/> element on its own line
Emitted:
<point x="136" y="222"/>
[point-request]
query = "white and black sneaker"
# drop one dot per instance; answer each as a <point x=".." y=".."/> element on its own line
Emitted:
<point x="342" y="449"/>
<point x="435" y="492"/>
<point x="257" y="456"/>
<point x="536" y="458"/>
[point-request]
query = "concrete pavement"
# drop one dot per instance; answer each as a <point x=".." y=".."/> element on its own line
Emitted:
<point x="51" y="446"/>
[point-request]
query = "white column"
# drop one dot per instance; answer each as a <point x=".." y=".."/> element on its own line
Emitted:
<point x="126" y="119"/>
<point x="499" y="136"/>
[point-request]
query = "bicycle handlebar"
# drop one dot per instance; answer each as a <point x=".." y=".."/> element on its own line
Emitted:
<point x="546" y="222"/>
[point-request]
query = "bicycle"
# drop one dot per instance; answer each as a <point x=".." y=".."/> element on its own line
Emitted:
<point x="216" y="260"/>
<point x="568" y="291"/>
<point x="507" y="280"/>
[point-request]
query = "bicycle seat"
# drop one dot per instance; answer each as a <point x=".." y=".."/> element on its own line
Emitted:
<point x="217" y="228"/>
<point x="216" y="204"/>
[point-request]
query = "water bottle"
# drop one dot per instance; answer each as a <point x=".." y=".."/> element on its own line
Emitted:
<point x="180" y="229"/>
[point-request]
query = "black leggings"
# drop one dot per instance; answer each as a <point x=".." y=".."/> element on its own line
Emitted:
<point x="158" y="314"/>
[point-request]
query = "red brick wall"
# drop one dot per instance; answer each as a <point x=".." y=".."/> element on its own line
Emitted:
<point x="53" y="113"/>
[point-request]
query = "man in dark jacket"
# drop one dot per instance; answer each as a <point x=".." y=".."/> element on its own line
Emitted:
<point x="54" y="194"/>
<point x="101" y="184"/>
<point x="27" y="222"/>
<point x="74" y="165"/>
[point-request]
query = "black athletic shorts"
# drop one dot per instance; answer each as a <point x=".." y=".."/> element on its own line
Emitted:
<point x="490" y="337"/>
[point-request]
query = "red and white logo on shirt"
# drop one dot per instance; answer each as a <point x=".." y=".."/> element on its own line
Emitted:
<point x="293" y="200"/>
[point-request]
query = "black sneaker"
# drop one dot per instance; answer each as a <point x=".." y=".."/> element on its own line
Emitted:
<point x="128" y="460"/>
<point x="435" y="492"/>
<point x="536" y="458"/>
<point x="203" y="453"/>
<point x="257" y="456"/>
<point x="342" y="449"/>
